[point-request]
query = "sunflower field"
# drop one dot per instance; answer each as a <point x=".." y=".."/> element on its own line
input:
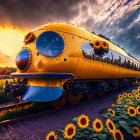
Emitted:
<point x="122" y="122"/>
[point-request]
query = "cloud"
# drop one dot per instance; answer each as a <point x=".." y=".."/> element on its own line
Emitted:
<point x="119" y="20"/>
<point x="4" y="58"/>
<point x="30" y="13"/>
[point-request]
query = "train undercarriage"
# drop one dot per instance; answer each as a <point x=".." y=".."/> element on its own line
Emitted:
<point x="76" y="89"/>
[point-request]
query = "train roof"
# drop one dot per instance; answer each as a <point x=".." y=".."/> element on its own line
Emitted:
<point x="81" y="32"/>
<point x="66" y="28"/>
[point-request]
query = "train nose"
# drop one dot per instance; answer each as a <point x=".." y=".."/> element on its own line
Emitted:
<point x="22" y="59"/>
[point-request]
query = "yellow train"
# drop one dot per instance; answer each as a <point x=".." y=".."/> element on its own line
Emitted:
<point x="63" y="61"/>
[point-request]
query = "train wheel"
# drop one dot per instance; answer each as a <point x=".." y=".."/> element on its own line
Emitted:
<point x="100" y="93"/>
<point x="74" y="99"/>
<point x="59" y="102"/>
<point x="90" y="96"/>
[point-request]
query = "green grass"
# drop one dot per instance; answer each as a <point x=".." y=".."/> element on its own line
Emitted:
<point x="4" y="98"/>
<point x="26" y="110"/>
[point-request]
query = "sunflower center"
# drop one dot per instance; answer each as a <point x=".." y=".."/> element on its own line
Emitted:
<point x="118" y="136"/>
<point x="104" y="44"/>
<point x="98" y="125"/>
<point x="111" y="112"/>
<point x="135" y="131"/>
<point x="110" y="126"/>
<point x="139" y="109"/>
<point x="97" y="44"/>
<point x="70" y="131"/>
<point x="83" y="121"/>
<point x="131" y="111"/>
<point x="51" y="138"/>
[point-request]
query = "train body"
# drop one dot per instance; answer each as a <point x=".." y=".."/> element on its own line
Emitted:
<point x="60" y="59"/>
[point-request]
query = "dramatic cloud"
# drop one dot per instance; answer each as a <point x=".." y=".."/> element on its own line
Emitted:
<point x="118" y="20"/>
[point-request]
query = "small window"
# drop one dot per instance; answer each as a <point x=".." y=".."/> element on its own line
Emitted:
<point x="88" y="50"/>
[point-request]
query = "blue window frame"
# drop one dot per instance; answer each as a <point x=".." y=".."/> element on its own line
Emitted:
<point x="50" y="44"/>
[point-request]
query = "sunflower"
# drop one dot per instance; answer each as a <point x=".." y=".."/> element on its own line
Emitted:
<point x="132" y="111"/>
<point x="110" y="125"/>
<point x="125" y="95"/>
<point x="120" y="96"/>
<point x="136" y="131"/>
<point x="117" y="134"/>
<point x="83" y="121"/>
<point x="118" y="101"/>
<point x="138" y="91"/>
<point x="134" y="91"/>
<point x="97" y="125"/>
<point x="132" y="104"/>
<point x="138" y="98"/>
<point x="70" y="131"/>
<point x="138" y="110"/>
<point x="128" y="100"/>
<point x="51" y="136"/>
<point x="97" y="44"/>
<point x="104" y="45"/>
<point x="138" y="87"/>
<point x="113" y="105"/>
<point x="125" y="107"/>
<point x="111" y="112"/>
<point x="130" y="95"/>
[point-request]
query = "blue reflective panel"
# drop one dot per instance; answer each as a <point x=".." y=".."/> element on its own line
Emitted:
<point x="50" y="44"/>
<point x="22" y="59"/>
<point x="88" y="50"/>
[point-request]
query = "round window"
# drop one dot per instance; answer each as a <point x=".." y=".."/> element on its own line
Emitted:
<point x="50" y="44"/>
<point x="22" y="59"/>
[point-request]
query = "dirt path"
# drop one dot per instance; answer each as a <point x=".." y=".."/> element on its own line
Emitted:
<point x="37" y="128"/>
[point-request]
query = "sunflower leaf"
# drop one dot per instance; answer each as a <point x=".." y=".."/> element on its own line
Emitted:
<point x="117" y="125"/>
<point x="125" y="126"/>
<point x="61" y="130"/>
<point x="75" y="119"/>
<point x="102" y="136"/>
<point x="89" y="129"/>
<point x="106" y="130"/>
<point x="136" y="123"/>
<point x="138" y="118"/>
<point x="60" y="138"/>
<point x="105" y="115"/>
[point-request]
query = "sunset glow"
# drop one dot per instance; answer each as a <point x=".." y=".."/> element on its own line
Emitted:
<point x="11" y="42"/>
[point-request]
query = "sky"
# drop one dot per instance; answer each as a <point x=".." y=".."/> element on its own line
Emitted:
<point x="118" y="20"/>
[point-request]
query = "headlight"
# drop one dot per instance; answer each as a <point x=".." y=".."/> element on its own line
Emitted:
<point x="22" y="59"/>
<point x="50" y="44"/>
